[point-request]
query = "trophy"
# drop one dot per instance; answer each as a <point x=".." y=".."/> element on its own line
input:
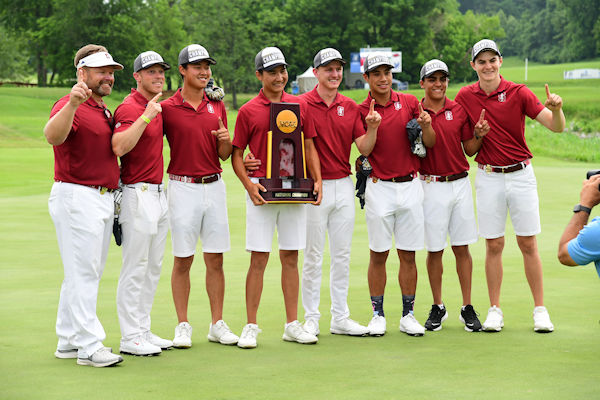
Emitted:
<point x="286" y="180"/>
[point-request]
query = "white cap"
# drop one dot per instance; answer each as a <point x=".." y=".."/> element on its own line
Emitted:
<point x="101" y="59"/>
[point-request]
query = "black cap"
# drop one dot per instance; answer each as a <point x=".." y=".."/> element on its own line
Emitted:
<point x="484" y="45"/>
<point x="432" y="66"/>
<point x="326" y="56"/>
<point x="269" y="58"/>
<point x="194" y="53"/>
<point x="148" y="59"/>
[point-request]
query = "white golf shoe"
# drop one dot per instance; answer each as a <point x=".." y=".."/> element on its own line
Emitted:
<point x="157" y="340"/>
<point x="101" y="358"/>
<point x="349" y="327"/>
<point x="410" y="325"/>
<point x="139" y="347"/>
<point x="219" y="332"/>
<point x="294" y="332"/>
<point x="248" y="337"/>
<point x="377" y="326"/>
<point x="312" y="326"/>
<point x="494" y="321"/>
<point x="183" y="336"/>
<point x="541" y="320"/>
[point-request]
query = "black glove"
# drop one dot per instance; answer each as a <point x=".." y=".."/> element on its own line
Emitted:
<point x="415" y="137"/>
<point x="363" y="170"/>
<point x="214" y="92"/>
<point x="118" y="195"/>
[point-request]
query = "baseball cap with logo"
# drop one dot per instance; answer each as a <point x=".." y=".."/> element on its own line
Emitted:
<point x="194" y="53"/>
<point x="326" y="56"/>
<point x="148" y="59"/>
<point x="100" y="59"/>
<point x="375" y="60"/>
<point x="484" y="45"/>
<point x="269" y="58"/>
<point x="432" y="66"/>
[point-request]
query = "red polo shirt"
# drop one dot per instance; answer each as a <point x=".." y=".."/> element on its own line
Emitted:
<point x="391" y="157"/>
<point x="337" y="126"/>
<point x="452" y="127"/>
<point x="505" y="111"/>
<point x="86" y="156"/>
<point x="254" y="121"/>
<point x="144" y="163"/>
<point x="193" y="146"/>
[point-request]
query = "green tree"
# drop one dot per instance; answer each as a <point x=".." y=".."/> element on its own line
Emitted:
<point x="13" y="63"/>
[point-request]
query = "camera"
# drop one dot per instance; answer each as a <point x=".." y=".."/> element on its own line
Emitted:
<point x="592" y="173"/>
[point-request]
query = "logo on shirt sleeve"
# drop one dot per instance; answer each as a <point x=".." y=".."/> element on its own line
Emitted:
<point x="502" y="97"/>
<point x="340" y="111"/>
<point x="210" y="108"/>
<point x="397" y="105"/>
<point x="449" y="116"/>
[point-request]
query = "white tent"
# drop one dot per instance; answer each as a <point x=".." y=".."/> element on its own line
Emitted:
<point x="307" y="81"/>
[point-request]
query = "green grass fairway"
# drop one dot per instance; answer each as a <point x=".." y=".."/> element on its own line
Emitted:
<point x="452" y="363"/>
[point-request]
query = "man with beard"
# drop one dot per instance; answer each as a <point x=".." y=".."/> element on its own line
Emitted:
<point x="138" y="140"/>
<point x="81" y="203"/>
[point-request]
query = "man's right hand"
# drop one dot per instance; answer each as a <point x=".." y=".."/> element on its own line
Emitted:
<point x="590" y="193"/>
<point x="153" y="107"/>
<point x="80" y="91"/>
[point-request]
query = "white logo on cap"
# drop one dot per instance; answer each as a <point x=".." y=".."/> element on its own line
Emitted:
<point x="434" y="66"/>
<point x="150" y="57"/>
<point x="449" y="116"/>
<point x="196" y="53"/>
<point x="210" y="108"/>
<point x="340" y="111"/>
<point x="502" y="97"/>
<point x="272" y="56"/>
<point x="484" y="44"/>
<point x="329" y="54"/>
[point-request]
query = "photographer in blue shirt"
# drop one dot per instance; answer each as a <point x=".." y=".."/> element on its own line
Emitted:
<point x="580" y="242"/>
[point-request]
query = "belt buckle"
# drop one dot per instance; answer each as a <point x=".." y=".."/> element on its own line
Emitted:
<point x="205" y="178"/>
<point x="428" y="179"/>
<point x="144" y="187"/>
<point x="374" y="179"/>
<point x="103" y="190"/>
<point x="488" y="168"/>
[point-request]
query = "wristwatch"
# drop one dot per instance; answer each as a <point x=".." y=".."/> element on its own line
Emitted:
<point x="579" y="207"/>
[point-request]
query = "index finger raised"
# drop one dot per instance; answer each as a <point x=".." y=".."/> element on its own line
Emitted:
<point x="155" y="98"/>
<point x="547" y="91"/>
<point x="221" y="124"/>
<point x="421" y="109"/>
<point x="372" y="106"/>
<point x="482" y="115"/>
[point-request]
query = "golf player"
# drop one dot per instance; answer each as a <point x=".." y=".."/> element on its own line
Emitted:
<point x="81" y="203"/>
<point x="505" y="180"/>
<point x="448" y="201"/>
<point x="196" y="128"/>
<point x="394" y="195"/>
<point x="338" y="124"/>
<point x="253" y="122"/>
<point x="138" y="141"/>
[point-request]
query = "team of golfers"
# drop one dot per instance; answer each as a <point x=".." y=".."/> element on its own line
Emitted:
<point x="417" y="195"/>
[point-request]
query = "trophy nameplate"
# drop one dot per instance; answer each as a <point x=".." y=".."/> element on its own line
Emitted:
<point x="286" y="180"/>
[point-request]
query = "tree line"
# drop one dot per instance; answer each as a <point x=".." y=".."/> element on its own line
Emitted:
<point x="41" y="36"/>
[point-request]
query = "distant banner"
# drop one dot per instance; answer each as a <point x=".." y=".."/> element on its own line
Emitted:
<point x="357" y="59"/>
<point x="585" y="73"/>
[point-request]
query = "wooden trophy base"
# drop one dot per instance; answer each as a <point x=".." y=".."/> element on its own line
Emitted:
<point x="288" y="190"/>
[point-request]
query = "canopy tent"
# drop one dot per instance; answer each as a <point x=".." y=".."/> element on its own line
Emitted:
<point x="307" y="80"/>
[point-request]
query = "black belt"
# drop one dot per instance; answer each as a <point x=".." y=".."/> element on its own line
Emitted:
<point x="505" y="170"/>
<point x="405" y="178"/>
<point x="195" y="179"/>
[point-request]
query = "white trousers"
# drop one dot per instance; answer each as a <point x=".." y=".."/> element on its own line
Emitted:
<point x="144" y="224"/>
<point x="336" y="216"/>
<point x="83" y="218"/>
